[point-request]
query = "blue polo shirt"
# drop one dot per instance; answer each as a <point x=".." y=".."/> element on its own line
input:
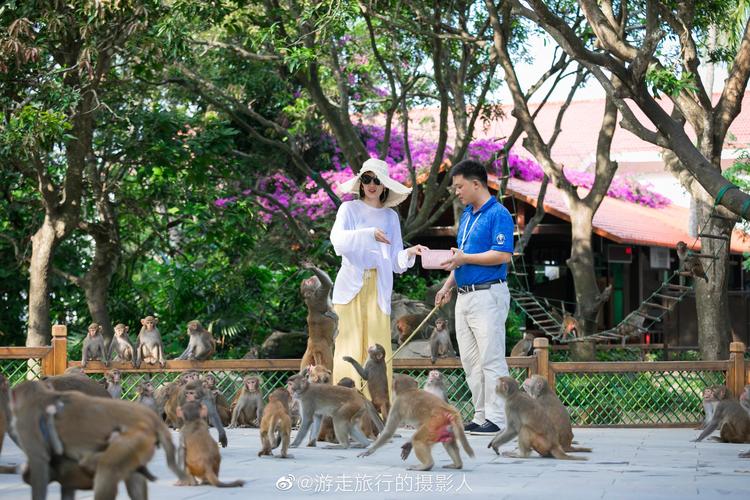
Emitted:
<point x="490" y="228"/>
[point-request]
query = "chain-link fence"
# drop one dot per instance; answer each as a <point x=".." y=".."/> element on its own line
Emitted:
<point x="18" y="370"/>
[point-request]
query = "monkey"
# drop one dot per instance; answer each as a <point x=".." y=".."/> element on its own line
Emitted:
<point x="732" y="421"/>
<point x="167" y="395"/>
<point x="322" y="321"/>
<point x="93" y="346"/>
<point x="527" y="420"/>
<point x="538" y="388"/>
<point x="85" y="424"/>
<point x="194" y="391"/>
<point x="145" y="393"/>
<point x="199" y="454"/>
<point x="276" y="424"/>
<point x="222" y="405"/>
<point x="326" y="426"/>
<point x="346" y="382"/>
<point x="569" y="325"/>
<point x="346" y="406"/>
<point x="436" y="421"/>
<point x="121" y="345"/>
<point x="201" y="345"/>
<point x="252" y="353"/>
<point x="375" y="373"/>
<point x="77" y="383"/>
<point x="5" y="419"/>
<point x="248" y="407"/>
<point x="406" y="324"/>
<point x="435" y="385"/>
<point x="690" y="265"/>
<point x="440" y="341"/>
<point x="745" y="398"/>
<point x="319" y="374"/>
<point x="523" y="347"/>
<point x="113" y="383"/>
<point x="149" y="347"/>
<point x="711" y="397"/>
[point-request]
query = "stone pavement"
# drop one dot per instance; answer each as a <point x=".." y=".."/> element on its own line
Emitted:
<point x="637" y="464"/>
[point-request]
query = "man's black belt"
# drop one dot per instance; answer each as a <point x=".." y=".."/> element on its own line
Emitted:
<point x="479" y="286"/>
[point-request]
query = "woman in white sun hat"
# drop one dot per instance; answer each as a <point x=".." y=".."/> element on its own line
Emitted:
<point x="367" y="236"/>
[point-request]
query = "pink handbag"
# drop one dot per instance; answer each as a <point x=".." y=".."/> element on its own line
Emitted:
<point x="433" y="259"/>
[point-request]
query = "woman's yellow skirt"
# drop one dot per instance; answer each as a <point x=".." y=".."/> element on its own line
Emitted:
<point x="361" y="324"/>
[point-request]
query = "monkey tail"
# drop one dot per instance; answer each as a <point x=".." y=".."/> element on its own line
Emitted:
<point x="374" y="415"/>
<point x="214" y="481"/>
<point x="274" y="430"/>
<point x="458" y="431"/>
<point x="559" y="454"/>
<point x="165" y="440"/>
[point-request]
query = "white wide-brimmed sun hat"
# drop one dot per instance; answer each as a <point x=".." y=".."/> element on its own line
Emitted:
<point x="397" y="192"/>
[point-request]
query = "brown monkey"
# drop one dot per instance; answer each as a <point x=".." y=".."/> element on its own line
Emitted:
<point x="201" y="345"/>
<point x="121" y="345"/>
<point x="276" y="424"/>
<point x="745" y="403"/>
<point x="711" y="397"/>
<point x="319" y="374"/>
<point x="194" y="391"/>
<point x="690" y="265"/>
<point x="93" y="346"/>
<point x="569" y="325"/>
<point x="4" y="410"/>
<point x="406" y="324"/>
<point x="247" y="408"/>
<point x="538" y="388"/>
<point x="527" y="420"/>
<point x="85" y="425"/>
<point x="198" y="453"/>
<point x="75" y="370"/>
<point x="346" y="406"/>
<point x="436" y="421"/>
<point x="77" y="383"/>
<point x="326" y="426"/>
<point x="732" y="421"/>
<point x="164" y="397"/>
<point x="523" y="347"/>
<point x="346" y="382"/>
<point x="145" y="393"/>
<point x="113" y="383"/>
<point x="435" y="385"/>
<point x="321" y="319"/>
<point x="440" y="341"/>
<point x="149" y="346"/>
<point x="375" y="373"/>
<point x="222" y="405"/>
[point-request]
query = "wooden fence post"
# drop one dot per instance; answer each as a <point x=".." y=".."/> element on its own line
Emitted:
<point x="59" y="349"/>
<point x="736" y="373"/>
<point x="541" y="351"/>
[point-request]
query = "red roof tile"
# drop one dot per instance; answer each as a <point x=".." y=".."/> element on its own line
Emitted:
<point x="622" y="221"/>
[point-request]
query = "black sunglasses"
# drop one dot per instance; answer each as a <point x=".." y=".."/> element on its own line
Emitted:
<point x="366" y="179"/>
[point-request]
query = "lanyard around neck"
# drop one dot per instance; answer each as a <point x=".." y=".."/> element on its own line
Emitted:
<point x="468" y="230"/>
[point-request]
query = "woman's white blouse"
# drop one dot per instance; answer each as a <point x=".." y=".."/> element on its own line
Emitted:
<point x="353" y="238"/>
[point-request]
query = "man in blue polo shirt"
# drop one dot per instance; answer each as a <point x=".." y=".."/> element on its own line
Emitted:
<point x="478" y="270"/>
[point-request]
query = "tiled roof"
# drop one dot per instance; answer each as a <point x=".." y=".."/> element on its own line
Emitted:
<point x="624" y="222"/>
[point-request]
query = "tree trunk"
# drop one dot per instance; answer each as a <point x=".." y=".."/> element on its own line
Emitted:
<point x="97" y="280"/>
<point x="581" y="265"/>
<point x="712" y="299"/>
<point x="43" y="245"/>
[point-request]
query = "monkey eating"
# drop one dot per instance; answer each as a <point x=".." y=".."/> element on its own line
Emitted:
<point x="85" y="426"/>
<point x="121" y="345"/>
<point x="440" y="341"/>
<point x="248" y="407"/>
<point x="690" y="265"/>
<point x="375" y="373"/>
<point x="113" y="383"/>
<point x="538" y="388"/>
<point x="149" y="346"/>
<point x="436" y="422"/>
<point x="527" y="420"/>
<point x="322" y="321"/>
<point x="199" y="454"/>
<point x="276" y="424"/>
<point x="93" y="346"/>
<point x="345" y="406"/>
<point x="201" y="345"/>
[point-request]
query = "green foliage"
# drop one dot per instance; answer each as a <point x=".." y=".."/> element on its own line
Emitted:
<point x="739" y="175"/>
<point x="669" y="82"/>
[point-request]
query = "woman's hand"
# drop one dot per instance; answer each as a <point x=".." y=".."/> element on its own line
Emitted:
<point x="381" y="237"/>
<point x="416" y="250"/>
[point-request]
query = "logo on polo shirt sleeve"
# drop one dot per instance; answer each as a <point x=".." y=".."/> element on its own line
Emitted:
<point x="500" y="239"/>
